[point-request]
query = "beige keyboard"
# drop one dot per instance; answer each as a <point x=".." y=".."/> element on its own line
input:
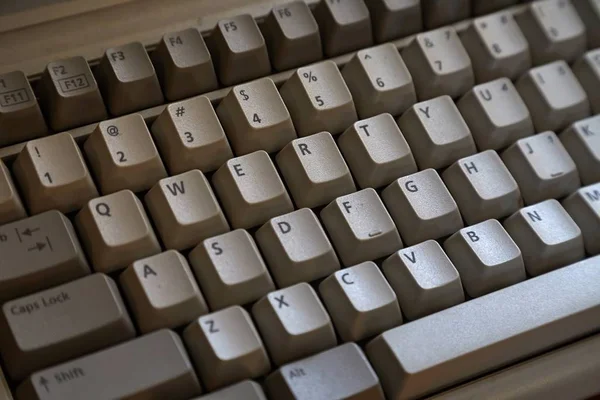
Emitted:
<point x="338" y="199"/>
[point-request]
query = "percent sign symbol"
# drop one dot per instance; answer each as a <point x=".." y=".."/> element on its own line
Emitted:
<point x="309" y="76"/>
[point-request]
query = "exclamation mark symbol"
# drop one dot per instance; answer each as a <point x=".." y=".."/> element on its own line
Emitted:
<point x="37" y="151"/>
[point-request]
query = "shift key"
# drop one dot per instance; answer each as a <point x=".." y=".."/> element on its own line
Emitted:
<point x="61" y="323"/>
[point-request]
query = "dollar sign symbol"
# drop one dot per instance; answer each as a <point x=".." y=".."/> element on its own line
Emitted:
<point x="244" y="95"/>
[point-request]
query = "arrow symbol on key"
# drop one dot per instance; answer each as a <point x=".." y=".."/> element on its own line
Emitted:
<point x="39" y="246"/>
<point x="373" y="234"/>
<point x="29" y="232"/>
<point x="44" y="382"/>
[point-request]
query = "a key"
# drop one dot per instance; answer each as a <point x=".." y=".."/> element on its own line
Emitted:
<point x="127" y="79"/>
<point x="437" y="13"/>
<point x="319" y="100"/>
<point x="297" y="248"/>
<point x="293" y="323"/>
<point x="162" y="292"/>
<point x="393" y="19"/>
<point x="248" y="390"/>
<point x="20" y="115"/>
<point x="250" y="190"/>
<point x="37" y="253"/>
<point x="436" y="132"/>
<point x="69" y="94"/>
<point x="255" y="118"/>
<point x="292" y="36"/>
<point x="230" y="270"/>
<point x="53" y="175"/>
<point x="11" y="207"/>
<point x="497" y="47"/>
<point x="184" y="65"/>
<point x="495" y="114"/>
<point x="239" y="50"/>
<point x="345" y="25"/>
<point x="314" y="170"/>
<point x="582" y="141"/>
<point x="547" y="236"/>
<point x="587" y="71"/>
<point x="554" y="31"/>
<point x="76" y="318"/>
<point x="553" y="96"/>
<point x="489" y="332"/>
<point x="185" y="210"/>
<point x="584" y="207"/>
<point x="123" y="156"/>
<point x="190" y="136"/>
<point x="481" y="7"/>
<point x="360" y="301"/>
<point x="379" y="81"/>
<point x="589" y="12"/>
<point x="225" y="348"/>
<point x="423" y="273"/>
<point x="152" y="365"/>
<point x="422" y="207"/>
<point x="483" y="271"/>
<point x="542" y="167"/>
<point x="360" y="227"/>
<point x="482" y="187"/>
<point x="4" y="389"/>
<point x="115" y="231"/>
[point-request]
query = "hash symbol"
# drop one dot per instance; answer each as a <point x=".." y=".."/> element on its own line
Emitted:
<point x="180" y="111"/>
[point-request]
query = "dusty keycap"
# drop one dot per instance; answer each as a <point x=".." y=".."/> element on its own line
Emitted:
<point x="584" y="207"/>
<point x="582" y="141"/>
<point x="340" y="373"/>
<point x="587" y="71"/>
<point x="437" y="13"/>
<point x="69" y="94"/>
<point x="115" y="231"/>
<point x="394" y="19"/>
<point x="20" y="115"/>
<point x="184" y="65"/>
<point x="248" y="390"/>
<point x="53" y="175"/>
<point x="73" y="323"/>
<point x="11" y="207"/>
<point x="154" y="365"/>
<point x="37" y="253"/>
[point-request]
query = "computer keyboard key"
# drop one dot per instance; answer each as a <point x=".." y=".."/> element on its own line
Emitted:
<point x="488" y="332"/>
<point x="225" y="348"/>
<point x="422" y="207"/>
<point x="39" y="252"/>
<point x="127" y="79"/>
<point x="376" y="151"/>
<point x="424" y="279"/>
<point x="293" y="323"/>
<point x="547" y="236"/>
<point x="162" y="292"/>
<point x="589" y="12"/>
<point x="52" y="175"/>
<point x="542" y="167"/>
<point x="4" y="389"/>
<point x="360" y="301"/>
<point x="20" y="116"/>
<point x="190" y="136"/>
<point x="122" y="155"/>
<point x="250" y="190"/>
<point x="185" y="210"/>
<point x="314" y="170"/>
<point x="584" y="207"/>
<point x="292" y="36"/>
<point x="239" y="50"/>
<point x="394" y="19"/>
<point x="554" y="31"/>
<point x="255" y="118"/>
<point x="69" y="94"/>
<point x="248" y="390"/>
<point x="482" y="187"/>
<point x="582" y="141"/>
<point x="230" y="270"/>
<point x="61" y="323"/>
<point x="184" y="65"/>
<point x="587" y="71"/>
<point x="495" y="114"/>
<point x="11" y="207"/>
<point x="436" y="132"/>
<point x="379" y="81"/>
<point x="297" y="248"/>
<point x="152" y="366"/>
<point x="437" y="13"/>
<point x="360" y="227"/>
<point x="115" y="231"/>
<point x="319" y="100"/>
<point x="481" y="7"/>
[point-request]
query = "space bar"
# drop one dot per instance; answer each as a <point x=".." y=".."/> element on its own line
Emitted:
<point x="489" y="332"/>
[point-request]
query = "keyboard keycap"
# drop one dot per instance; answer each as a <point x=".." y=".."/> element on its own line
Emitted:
<point x="423" y="272"/>
<point x="481" y="7"/>
<point x="225" y="348"/>
<point x="11" y="207"/>
<point x="360" y="301"/>
<point x="76" y="318"/>
<point x="53" y="175"/>
<point x="437" y="13"/>
<point x="582" y="141"/>
<point x="319" y="378"/>
<point x="293" y="323"/>
<point x="248" y="390"/>
<point x="394" y="19"/>
<point x="154" y="365"/>
<point x="4" y="389"/>
<point x="584" y="207"/>
<point x="589" y="12"/>
<point x="587" y="71"/>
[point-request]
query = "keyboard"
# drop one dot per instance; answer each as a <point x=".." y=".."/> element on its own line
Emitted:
<point x="314" y="200"/>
